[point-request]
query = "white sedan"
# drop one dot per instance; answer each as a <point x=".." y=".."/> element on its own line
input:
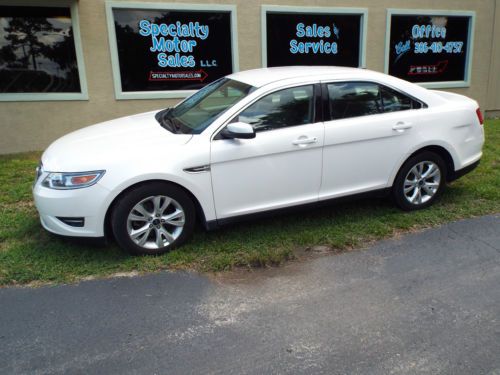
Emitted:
<point x="251" y="142"/>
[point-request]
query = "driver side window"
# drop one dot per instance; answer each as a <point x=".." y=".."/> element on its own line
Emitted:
<point x="288" y="107"/>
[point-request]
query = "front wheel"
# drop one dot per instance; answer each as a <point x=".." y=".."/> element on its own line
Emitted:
<point x="419" y="181"/>
<point x="152" y="219"/>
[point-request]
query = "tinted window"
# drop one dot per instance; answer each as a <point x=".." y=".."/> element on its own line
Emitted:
<point x="395" y="101"/>
<point x="288" y="107"/>
<point x="37" y="50"/>
<point x="354" y="99"/>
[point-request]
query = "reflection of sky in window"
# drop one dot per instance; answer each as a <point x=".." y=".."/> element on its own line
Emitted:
<point x="131" y="17"/>
<point x="46" y="37"/>
<point x="439" y="21"/>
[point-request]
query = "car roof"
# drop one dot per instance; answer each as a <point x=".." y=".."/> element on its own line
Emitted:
<point x="267" y="76"/>
<point x="264" y="76"/>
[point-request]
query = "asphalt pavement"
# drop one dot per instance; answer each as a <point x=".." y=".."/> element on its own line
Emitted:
<point x="423" y="303"/>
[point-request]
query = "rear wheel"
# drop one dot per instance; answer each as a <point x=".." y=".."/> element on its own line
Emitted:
<point x="153" y="219"/>
<point x="419" y="181"/>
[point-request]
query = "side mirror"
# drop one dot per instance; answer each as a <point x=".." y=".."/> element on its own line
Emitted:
<point x="239" y="130"/>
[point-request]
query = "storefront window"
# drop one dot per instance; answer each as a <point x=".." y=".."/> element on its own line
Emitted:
<point x="430" y="48"/>
<point x="38" y="56"/>
<point x="169" y="52"/>
<point x="323" y="36"/>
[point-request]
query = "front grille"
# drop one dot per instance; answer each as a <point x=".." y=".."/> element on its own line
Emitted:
<point x="73" y="221"/>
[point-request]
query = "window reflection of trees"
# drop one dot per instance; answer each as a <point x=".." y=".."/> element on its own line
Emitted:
<point x="349" y="100"/>
<point x="37" y="53"/>
<point x="287" y="111"/>
<point x="361" y="99"/>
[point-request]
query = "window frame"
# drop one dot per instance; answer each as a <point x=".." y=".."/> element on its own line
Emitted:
<point x="75" y="25"/>
<point x="113" y="45"/>
<point x="284" y="9"/>
<point x="426" y="12"/>
<point x="326" y="99"/>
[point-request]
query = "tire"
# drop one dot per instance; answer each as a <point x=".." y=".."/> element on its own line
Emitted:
<point x="412" y="190"/>
<point x="153" y="219"/>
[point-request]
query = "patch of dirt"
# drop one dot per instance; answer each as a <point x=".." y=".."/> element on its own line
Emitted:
<point x="19" y="205"/>
<point x="301" y="254"/>
<point x="246" y="275"/>
<point x="124" y="274"/>
<point x="129" y="274"/>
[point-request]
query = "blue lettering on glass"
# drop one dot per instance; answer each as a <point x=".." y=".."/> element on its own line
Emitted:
<point x="300" y="30"/>
<point x="438" y="47"/>
<point x="401" y="49"/>
<point x="312" y="31"/>
<point x="320" y="47"/>
<point x="428" y="31"/>
<point x="187" y="30"/>
<point x="336" y="31"/>
<point x="316" y="47"/>
<point x="144" y="25"/>
<point x="172" y="45"/>
<point x="422" y="32"/>
<point x="208" y="64"/>
<point x="176" y="60"/>
<point x="166" y="38"/>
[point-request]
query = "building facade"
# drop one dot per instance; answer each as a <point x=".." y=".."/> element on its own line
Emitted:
<point x="67" y="64"/>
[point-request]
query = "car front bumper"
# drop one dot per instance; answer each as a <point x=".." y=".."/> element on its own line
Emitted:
<point x="60" y="210"/>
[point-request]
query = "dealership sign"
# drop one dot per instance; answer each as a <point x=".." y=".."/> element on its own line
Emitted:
<point x="430" y="48"/>
<point x="170" y="50"/>
<point x="323" y="36"/>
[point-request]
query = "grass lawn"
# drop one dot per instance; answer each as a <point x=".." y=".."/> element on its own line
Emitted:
<point x="28" y="254"/>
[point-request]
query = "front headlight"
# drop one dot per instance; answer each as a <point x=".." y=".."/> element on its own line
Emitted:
<point x="73" y="180"/>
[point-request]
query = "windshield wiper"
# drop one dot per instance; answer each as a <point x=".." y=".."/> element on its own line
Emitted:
<point x="165" y="121"/>
<point x="176" y="125"/>
<point x="168" y="122"/>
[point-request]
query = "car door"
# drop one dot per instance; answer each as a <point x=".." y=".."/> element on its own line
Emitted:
<point x="370" y="128"/>
<point x="281" y="166"/>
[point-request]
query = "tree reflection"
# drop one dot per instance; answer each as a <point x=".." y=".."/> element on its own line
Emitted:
<point x="38" y="53"/>
<point x="25" y="33"/>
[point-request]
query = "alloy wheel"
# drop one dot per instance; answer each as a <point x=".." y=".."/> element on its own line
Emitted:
<point x="155" y="222"/>
<point x="422" y="182"/>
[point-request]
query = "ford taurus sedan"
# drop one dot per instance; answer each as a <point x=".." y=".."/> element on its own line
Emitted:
<point x="256" y="141"/>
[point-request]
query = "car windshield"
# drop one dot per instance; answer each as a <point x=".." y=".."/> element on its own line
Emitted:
<point x="197" y="112"/>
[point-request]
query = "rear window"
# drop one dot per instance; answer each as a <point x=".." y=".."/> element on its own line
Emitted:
<point x="355" y="99"/>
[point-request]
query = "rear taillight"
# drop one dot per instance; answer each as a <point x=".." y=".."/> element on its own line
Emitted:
<point x="479" y="116"/>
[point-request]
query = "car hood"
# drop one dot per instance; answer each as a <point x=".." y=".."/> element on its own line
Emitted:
<point x="97" y="146"/>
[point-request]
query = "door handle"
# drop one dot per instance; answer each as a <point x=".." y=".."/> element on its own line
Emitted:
<point x="302" y="141"/>
<point x="402" y="126"/>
